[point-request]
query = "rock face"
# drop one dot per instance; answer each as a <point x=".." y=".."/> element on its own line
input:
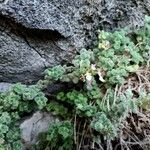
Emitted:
<point x="35" y="34"/>
<point x="31" y="127"/>
<point x="25" y="53"/>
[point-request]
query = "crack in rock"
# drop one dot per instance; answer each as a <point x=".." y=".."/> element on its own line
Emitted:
<point x="25" y="53"/>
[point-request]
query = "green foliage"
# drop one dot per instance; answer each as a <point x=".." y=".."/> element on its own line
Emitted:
<point x="57" y="109"/>
<point x="93" y="102"/>
<point x="142" y="38"/>
<point x="64" y="129"/>
<point x="102" y="124"/>
<point x="55" y="73"/>
<point x="59" y="136"/>
<point x="13" y="104"/>
<point x="144" y="101"/>
<point x="118" y="55"/>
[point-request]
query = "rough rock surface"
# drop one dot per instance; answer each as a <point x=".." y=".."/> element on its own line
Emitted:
<point x="25" y="53"/>
<point x="5" y="86"/>
<point x="35" y="34"/>
<point x="31" y="127"/>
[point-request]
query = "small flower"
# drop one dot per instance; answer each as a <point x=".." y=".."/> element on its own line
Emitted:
<point x="88" y="76"/>
<point x="100" y="76"/>
<point x="88" y="81"/>
<point x="104" y="45"/>
<point x="93" y="67"/>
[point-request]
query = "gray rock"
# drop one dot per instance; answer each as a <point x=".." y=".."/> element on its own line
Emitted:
<point x="31" y="127"/>
<point x="5" y="86"/>
<point x="74" y="19"/>
<point x="24" y="53"/>
<point x="36" y="34"/>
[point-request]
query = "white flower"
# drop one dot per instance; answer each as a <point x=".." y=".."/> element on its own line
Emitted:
<point x="88" y="81"/>
<point x="88" y="76"/>
<point x="93" y="66"/>
<point x="100" y="76"/>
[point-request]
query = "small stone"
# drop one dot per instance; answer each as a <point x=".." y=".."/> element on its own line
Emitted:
<point x="31" y="127"/>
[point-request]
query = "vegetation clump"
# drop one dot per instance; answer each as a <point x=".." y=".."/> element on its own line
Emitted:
<point x="111" y="85"/>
